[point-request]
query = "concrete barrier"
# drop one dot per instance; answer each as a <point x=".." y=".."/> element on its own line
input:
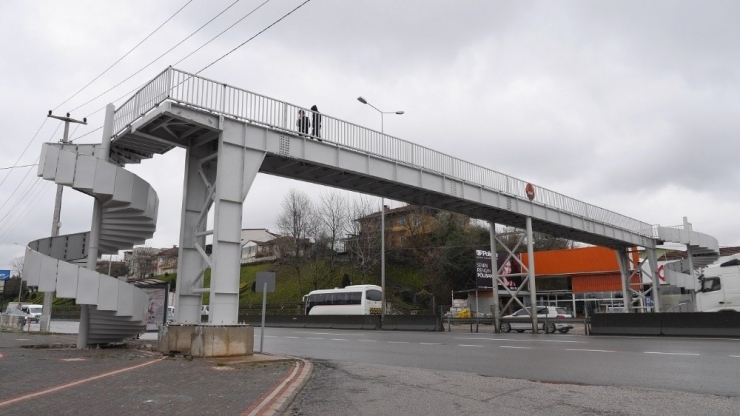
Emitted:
<point x="366" y="322"/>
<point x="699" y="324"/>
<point x="412" y="323"/>
<point x="706" y="324"/>
<point x="626" y="324"/>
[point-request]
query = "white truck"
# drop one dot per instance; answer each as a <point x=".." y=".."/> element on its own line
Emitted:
<point x="719" y="289"/>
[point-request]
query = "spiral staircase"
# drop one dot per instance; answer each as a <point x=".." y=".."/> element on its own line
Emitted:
<point x="116" y="309"/>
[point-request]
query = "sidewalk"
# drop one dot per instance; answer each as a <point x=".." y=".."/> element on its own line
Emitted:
<point x="45" y="374"/>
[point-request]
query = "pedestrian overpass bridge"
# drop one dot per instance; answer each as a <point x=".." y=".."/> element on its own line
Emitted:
<point x="230" y="135"/>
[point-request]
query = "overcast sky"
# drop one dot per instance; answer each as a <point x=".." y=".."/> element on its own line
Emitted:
<point x="632" y="106"/>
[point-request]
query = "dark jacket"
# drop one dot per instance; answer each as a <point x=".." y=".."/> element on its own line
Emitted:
<point x="316" y="131"/>
<point x="303" y="124"/>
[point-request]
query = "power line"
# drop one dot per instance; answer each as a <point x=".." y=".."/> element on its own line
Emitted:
<point x="18" y="167"/>
<point x="24" y="150"/>
<point x="25" y="212"/>
<point x="224" y="31"/>
<point x="65" y="101"/>
<point x="125" y="55"/>
<point x="259" y="33"/>
<point x="16" y="188"/>
<point x="170" y="50"/>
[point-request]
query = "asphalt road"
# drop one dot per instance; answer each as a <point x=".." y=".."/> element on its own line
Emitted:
<point x="703" y="366"/>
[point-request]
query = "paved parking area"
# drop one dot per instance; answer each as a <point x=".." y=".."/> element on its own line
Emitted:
<point x="45" y="374"/>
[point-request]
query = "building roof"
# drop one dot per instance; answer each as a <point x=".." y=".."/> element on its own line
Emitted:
<point x="257" y="235"/>
<point x="405" y="208"/>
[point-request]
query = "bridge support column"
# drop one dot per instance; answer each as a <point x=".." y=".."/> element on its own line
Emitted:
<point x="237" y="168"/>
<point x="653" y="260"/>
<point x="530" y="275"/>
<point x="494" y="281"/>
<point x="196" y="202"/>
<point x="624" y="269"/>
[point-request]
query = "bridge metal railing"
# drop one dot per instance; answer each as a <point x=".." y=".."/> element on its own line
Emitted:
<point x="223" y="99"/>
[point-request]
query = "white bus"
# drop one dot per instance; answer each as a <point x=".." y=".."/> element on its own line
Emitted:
<point x="351" y="300"/>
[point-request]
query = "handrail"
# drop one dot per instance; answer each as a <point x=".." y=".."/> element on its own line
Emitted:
<point x="223" y="99"/>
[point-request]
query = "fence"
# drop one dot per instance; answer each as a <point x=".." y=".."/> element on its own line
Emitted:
<point x="203" y="93"/>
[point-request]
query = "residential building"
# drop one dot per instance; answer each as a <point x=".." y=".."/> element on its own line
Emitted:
<point x="258" y="244"/>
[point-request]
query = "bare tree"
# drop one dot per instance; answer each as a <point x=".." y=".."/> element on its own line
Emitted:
<point x="331" y="215"/>
<point x="297" y="223"/>
<point x="17" y="266"/>
<point x="363" y="237"/>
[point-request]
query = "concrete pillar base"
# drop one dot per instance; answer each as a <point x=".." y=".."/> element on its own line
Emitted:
<point x="207" y="340"/>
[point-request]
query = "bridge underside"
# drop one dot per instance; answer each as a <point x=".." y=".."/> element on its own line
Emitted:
<point x="344" y="179"/>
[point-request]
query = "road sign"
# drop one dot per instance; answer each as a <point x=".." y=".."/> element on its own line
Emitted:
<point x="265" y="277"/>
<point x="529" y="189"/>
<point x="4" y="274"/>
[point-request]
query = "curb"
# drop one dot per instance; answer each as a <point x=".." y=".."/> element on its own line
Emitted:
<point x="280" y="395"/>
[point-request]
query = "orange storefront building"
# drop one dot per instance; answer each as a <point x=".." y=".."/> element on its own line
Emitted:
<point x="584" y="280"/>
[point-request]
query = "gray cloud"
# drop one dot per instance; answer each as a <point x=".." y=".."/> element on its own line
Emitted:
<point x="628" y="105"/>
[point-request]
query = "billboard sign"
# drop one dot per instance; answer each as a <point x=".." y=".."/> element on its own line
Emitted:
<point x="156" y="312"/>
<point x="484" y="271"/>
<point x="4" y="274"/>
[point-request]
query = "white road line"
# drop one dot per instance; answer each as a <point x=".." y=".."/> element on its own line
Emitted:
<point x="368" y="340"/>
<point x="339" y="339"/>
<point x="314" y="338"/>
<point x="466" y="345"/>
<point x="430" y="343"/>
<point x="398" y="342"/>
<point x="583" y="349"/>
<point x="511" y="346"/>
<point x="270" y="336"/>
<point x="523" y="340"/>
<point x="291" y="337"/>
<point x="669" y="353"/>
<point x="735" y="356"/>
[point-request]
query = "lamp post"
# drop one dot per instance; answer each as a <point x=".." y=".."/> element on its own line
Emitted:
<point x="382" y="215"/>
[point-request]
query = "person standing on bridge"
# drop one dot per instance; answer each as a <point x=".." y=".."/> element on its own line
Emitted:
<point x="316" y="130"/>
<point x="303" y="124"/>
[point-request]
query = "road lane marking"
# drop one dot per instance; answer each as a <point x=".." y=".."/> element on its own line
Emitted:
<point x="670" y="353"/>
<point x="736" y="356"/>
<point x="523" y="340"/>
<point x="511" y="346"/>
<point x="314" y="338"/>
<point x="467" y="345"/>
<point x="339" y="339"/>
<point x="583" y="349"/>
<point x="290" y="337"/>
<point x="398" y="342"/>
<point x="368" y="340"/>
<point x="75" y="383"/>
<point x="430" y="343"/>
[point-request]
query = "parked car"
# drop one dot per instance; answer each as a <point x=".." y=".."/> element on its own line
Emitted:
<point x="22" y="316"/>
<point x="550" y="312"/>
<point x="34" y="310"/>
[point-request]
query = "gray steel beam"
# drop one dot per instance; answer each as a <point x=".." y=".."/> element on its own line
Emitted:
<point x="653" y="260"/>
<point x="237" y="168"/>
<point x="189" y="261"/>
<point x="624" y="270"/>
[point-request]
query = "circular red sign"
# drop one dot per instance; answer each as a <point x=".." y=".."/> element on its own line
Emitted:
<point x="529" y="189"/>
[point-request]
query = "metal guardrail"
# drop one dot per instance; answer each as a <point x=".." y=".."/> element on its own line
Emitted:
<point x="223" y="99"/>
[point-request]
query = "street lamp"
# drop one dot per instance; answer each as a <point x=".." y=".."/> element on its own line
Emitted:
<point x="382" y="215"/>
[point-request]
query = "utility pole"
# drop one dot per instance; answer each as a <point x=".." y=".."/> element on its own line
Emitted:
<point x="55" y="222"/>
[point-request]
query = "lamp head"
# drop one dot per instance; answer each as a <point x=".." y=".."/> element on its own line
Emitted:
<point x="362" y="100"/>
<point x="399" y="112"/>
